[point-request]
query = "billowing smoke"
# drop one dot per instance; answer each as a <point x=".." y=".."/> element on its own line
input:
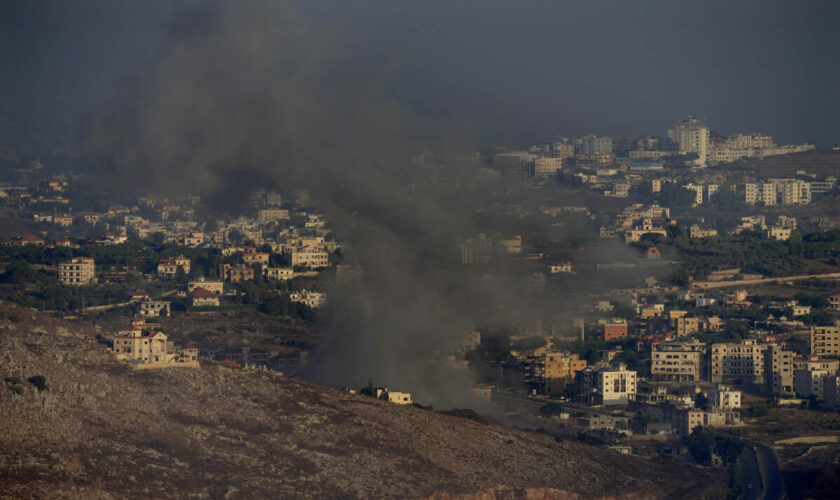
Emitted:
<point x="255" y="95"/>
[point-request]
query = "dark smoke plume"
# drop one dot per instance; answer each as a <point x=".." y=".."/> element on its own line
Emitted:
<point x="252" y="95"/>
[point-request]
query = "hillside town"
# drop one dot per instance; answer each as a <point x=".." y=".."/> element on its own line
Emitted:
<point x="689" y="289"/>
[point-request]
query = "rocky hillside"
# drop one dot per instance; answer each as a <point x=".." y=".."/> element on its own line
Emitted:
<point x="101" y="430"/>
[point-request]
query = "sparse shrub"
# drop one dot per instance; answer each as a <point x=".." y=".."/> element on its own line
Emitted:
<point x="17" y="389"/>
<point x="14" y="319"/>
<point x="12" y="380"/>
<point x="39" y="381"/>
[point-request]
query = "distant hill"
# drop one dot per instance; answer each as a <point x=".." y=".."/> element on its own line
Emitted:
<point x="101" y="430"/>
<point x="819" y="162"/>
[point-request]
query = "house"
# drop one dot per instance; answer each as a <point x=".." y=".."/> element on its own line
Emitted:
<point x="169" y="267"/>
<point x="251" y="256"/>
<point x="216" y="287"/>
<point x="724" y="398"/>
<point x="653" y="253"/>
<point x="237" y="274"/>
<point x="311" y="299"/>
<point x="136" y="344"/>
<point x="26" y="239"/>
<point x="78" y="271"/>
<point x="202" y="297"/>
<point x="63" y="220"/>
<point x="308" y="256"/>
<point x="63" y="242"/>
<point x="400" y="398"/>
<point x="278" y="273"/>
<point x="152" y="308"/>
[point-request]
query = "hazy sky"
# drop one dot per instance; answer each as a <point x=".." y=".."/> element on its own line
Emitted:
<point x="522" y="70"/>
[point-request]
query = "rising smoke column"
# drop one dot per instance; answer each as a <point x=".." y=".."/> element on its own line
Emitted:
<point x="253" y="94"/>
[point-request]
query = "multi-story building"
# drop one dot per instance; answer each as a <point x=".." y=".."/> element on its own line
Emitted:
<point x="308" y="256"/>
<point x="696" y="231"/>
<point x="742" y="361"/>
<point x="779" y="369"/>
<point x="278" y="273"/>
<point x="78" y="271"/>
<point x="692" y="137"/>
<point x="134" y="343"/>
<point x="216" y="287"/>
<point x="236" y="274"/>
<point x="273" y="214"/>
<point x="202" y="297"/>
<point x="170" y="266"/>
<point x="724" y="398"/>
<point x="251" y="256"/>
<point x="677" y="361"/>
<point x="544" y="167"/>
<point x="795" y="192"/>
<point x="593" y="145"/>
<point x="548" y="373"/>
<point x="779" y="233"/>
<point x="825" y="340"/>
<point x="152" y="308"/>
<point x="616" y="386"/>
<point x="765" y="193"/>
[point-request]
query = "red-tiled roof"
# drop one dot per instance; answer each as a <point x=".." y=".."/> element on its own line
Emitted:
<point x="203" y="293"/>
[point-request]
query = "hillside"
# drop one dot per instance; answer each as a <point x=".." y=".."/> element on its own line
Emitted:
<point x="820" y="162"/>
<point x="101" y="430"/>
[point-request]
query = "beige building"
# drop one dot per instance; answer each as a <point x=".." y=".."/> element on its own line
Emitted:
<point x="743" y="361"/>
<point x="137" y="344"/>
<point x="152" y="308"/>
<point x="273" y="214"/>
<point x="696" y="231"/>
<point x="677" y="361"/>
<point x="311" y="299"/>
<point x="549" y="372"/>
<point x="278" y="273"/>
<point x="779" y="233"/>
<point x="825" y="340"/>
<point x="309" y="257"/>
<point x="77" y="272"/>
<point x="202" y="297"/>
<point x="545" y="167"/>
<point x="779" y="369"/>
<point x="216" y="287"/>
<point x="169" y="267"/>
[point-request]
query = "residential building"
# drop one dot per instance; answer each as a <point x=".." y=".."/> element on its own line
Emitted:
<point x="616" y="386"/>
<point x="202" y="297"/>
<point x="311" y="299"/>
<point x="779" y="370"/>
<point x="278" y="273"/>
<point x="825" y="340"/>
<point x="169" y="267"/>
<point x="216" y="287"/>
<point x="545" y="167"/>
<point x="78" y="271"/>
<point x="593" y="145"/>
<point x="310" y="257"/>
<point x="724" y="398"/>
<point x="764" y="193"/>
<point x="267" y="215"/>
<point x="236" y="274"/>
<point x="696" y="232"/>
<point x="742" y="361"/>
<point x="692" y="136"/>
<point x="677" y="361"/>
<point x="549" y="372"/>
<point x="779" y="233"/>
<point x="137" y="344"/>
<point x="152" y="308"/>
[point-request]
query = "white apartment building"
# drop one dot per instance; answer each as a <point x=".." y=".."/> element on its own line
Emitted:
<point x="724" y="398"/>
<point x="616" y="386"/>
<point x="760" y="192"/>
<point x="692" y="137"/>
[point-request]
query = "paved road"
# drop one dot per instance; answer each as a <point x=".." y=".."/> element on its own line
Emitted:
<point x="705" y="285"/>
<point x="752" y="474"/>
<point x="768" y="462"/>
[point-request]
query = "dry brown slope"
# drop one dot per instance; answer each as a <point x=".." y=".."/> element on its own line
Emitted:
<point x="103" y="431"/>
